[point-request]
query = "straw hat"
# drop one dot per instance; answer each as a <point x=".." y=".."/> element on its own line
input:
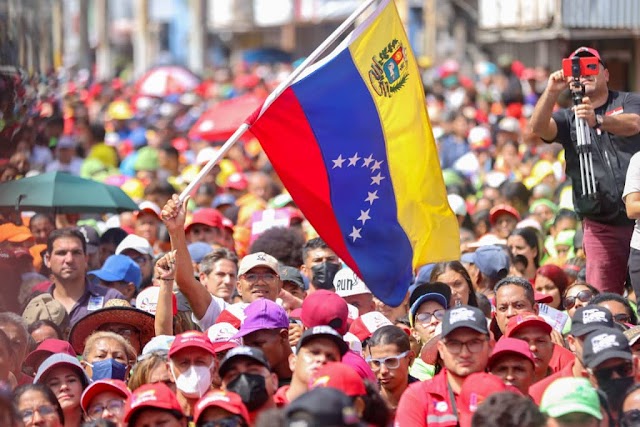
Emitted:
<point x="114" y="311"/>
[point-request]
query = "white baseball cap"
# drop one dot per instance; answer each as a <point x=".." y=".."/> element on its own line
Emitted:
<point x="347" y="283"/>
<point x="137" y="243"/>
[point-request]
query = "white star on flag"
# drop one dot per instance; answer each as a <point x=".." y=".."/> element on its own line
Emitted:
<point x="337" y="163"/>
<point x="364" y="216"/>
<point x="367" y="161"/>
<point x="376" y="165"/>
<point x="353" y="160"/>
<point x="371" y="197"/>
<point x="355" y="233"/>
<point x="376" y="179"/>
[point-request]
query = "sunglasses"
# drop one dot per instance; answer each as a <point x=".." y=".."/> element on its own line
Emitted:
<point x="391" y="362"/>
<point x="630" y="418"/>
<point x="584" y="296"/>
<point x="623" y="370"/>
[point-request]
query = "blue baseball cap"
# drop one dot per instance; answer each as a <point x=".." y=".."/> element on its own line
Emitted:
<point x="491" y="260"/>
<point x="223" y="199"/>
<point x="119" y="268"/>
<point x="198" y="250"/>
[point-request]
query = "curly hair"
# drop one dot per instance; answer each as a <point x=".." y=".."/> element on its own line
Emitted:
<point x="285" y="244"/>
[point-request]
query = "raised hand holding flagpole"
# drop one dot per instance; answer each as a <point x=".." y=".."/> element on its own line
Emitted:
<point x="313" y="57"/>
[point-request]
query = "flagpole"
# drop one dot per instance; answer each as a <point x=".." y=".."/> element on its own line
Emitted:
<point x="313" y="57"/>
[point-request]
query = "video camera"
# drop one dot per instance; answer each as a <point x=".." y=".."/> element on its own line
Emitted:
<point x="577" y="66"/>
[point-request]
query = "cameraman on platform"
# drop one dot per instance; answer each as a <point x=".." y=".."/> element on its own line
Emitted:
<point x="614" y="122"/>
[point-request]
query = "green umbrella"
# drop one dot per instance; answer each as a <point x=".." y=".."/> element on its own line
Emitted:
<point x="61" y="192"/>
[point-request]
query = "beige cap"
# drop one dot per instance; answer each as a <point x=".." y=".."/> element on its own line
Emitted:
<point x="258" y="259"/>
<point x="44" y="307"/>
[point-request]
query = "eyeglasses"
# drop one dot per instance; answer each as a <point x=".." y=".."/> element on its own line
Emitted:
<point x="255" y="277"/>
<point x="426" y="316"/>
<point x="391" y="362"/>
<point x="584" y="296"/>
<point x="623" y="370"/>
<point x="474" y="346"/>
<point x="630" y="418"/>
<point x="233" y="421"/>
<point x="114" y="406"/>
<point x="622" y="318"/>
<point x="43" y="410"/>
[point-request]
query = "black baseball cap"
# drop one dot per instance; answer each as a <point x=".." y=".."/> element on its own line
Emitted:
<point x="242" y="352"/>
<point x="605" y="344"/>
<point x="293" y="275"/>
<point x="320" y="407"/>
<point x="590" y="318"/>
<point x="464" y="316"/>
<point x="324" y="332"/>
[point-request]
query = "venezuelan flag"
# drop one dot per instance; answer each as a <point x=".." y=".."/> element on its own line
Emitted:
<point x="351" y="141"/>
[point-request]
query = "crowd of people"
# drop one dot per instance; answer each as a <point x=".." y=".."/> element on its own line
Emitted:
<point x="226" y="309"/>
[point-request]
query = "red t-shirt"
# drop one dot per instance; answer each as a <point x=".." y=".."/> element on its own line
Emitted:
<point x="561" y="357"/>
<point x="427" y="403"/>
<point x="281" y="396"/>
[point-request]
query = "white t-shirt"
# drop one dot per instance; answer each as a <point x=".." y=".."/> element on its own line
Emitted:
<point x="632" y="185"/>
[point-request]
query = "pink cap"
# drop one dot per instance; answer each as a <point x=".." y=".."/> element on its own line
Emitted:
<point x="506" y="345"/>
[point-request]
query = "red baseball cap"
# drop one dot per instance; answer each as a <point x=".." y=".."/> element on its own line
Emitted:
<point x="191" y="339"/>
<point x="237" y="181"/>
<point x="325" y="308"/>
<point x="475" y="389"/>
<point x="506" y="345"/>
<point x="45" y="349"/>
<point x="364" y="326"/>
<point x="543" y="298"/>
<point x="226" y="400"/>
<point x="502" y="209"/>
<point x="101" y="386"/>
<point x="157" y="395"/>
<point x="207" y="216"/>
<point x="528" y="319"/>
<point x="341" y="376"/>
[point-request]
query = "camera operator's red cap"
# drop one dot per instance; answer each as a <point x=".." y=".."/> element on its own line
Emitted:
<point x="586" y="51"/>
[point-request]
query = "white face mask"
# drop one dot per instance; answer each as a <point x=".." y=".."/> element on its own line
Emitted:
<point x="194" y="382"/>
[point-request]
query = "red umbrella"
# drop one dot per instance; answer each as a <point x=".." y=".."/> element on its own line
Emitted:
<point x="219" y="122"/>
<point x="167" y="80"/>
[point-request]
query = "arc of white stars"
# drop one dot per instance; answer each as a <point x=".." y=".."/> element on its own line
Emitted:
<point x="371" y="197"/>
<point x="376" y="179"/>
<point x="367" y="161"/>
<point x="376" y="165"/>
<point x="355" y="233"/>
<point x="364" y="216"/>
<point x="337" y="163"/>
<point x="354" y="160"/>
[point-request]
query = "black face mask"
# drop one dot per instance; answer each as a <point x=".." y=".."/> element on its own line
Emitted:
<point x="323" y="275"/>
<point x="252" y="389"/>
<point x="615" y="389"/>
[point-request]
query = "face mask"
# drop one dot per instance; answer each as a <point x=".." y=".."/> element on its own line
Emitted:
<point x="108" y="369"/>
<point x="616" y="389"/>
<point x="323" y="274"/>
<point x="195" y="382"/>
<point x="252" y="388"/>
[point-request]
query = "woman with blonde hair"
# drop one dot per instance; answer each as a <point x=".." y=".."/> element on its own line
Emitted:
<point x="107" y="355"/>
